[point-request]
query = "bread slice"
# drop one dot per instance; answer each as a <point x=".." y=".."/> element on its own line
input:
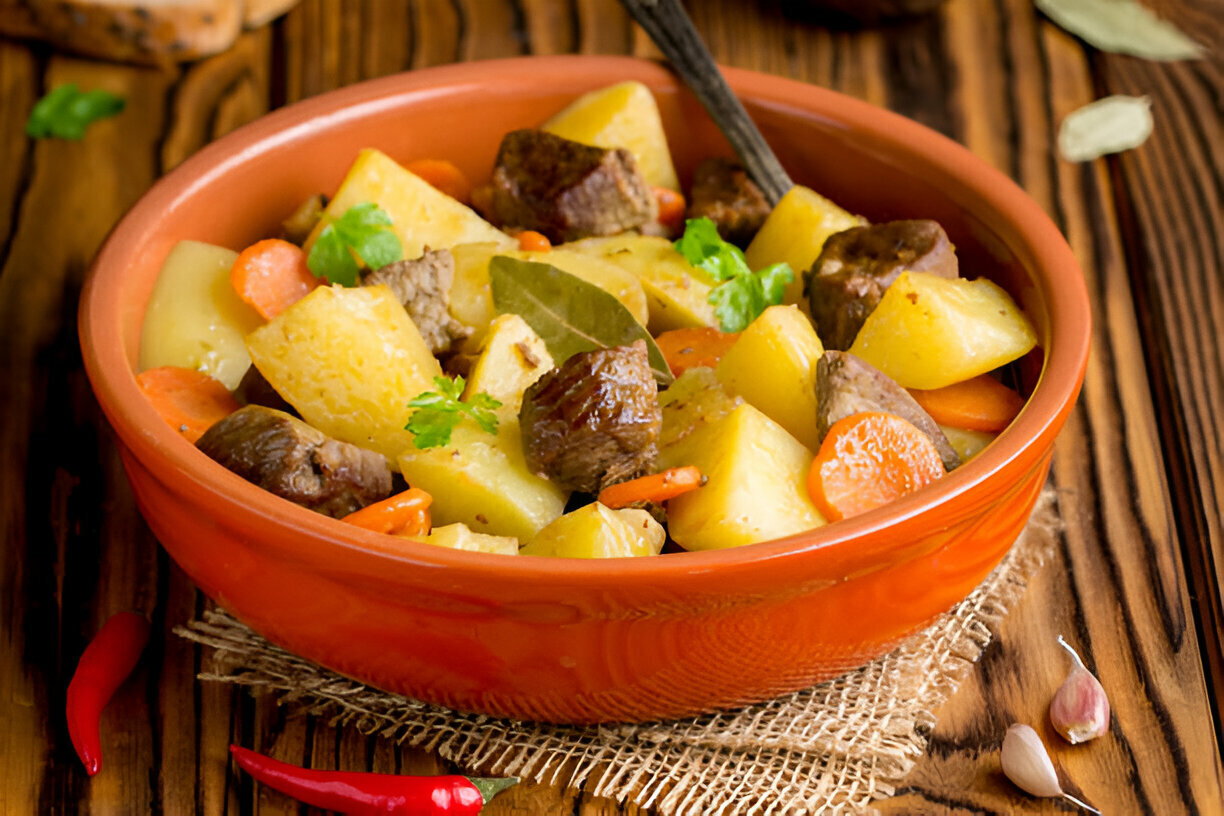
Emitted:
<point x="142" y="31"/>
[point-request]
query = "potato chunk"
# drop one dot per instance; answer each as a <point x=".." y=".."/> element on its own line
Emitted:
<point x="966" y="443"/>
<point x="595" y="531"/>
<point x="795" y="232"/>
<point x="349" y="360"/>
<point x="481" y="480"/>
<point x="623" y="115"/>
<point x="773" y="366"/>
<point x="928" y="331"/>
<point x="677" y="293"/>
<point x="512" y="357"/>
<point x="472" y="295"/>
<point x="460" y="537"/>
<point x="756" y="491"/>
<point x="421" y="215"/>
<point x="695" y="399"/>
<point x="195" y="319"/>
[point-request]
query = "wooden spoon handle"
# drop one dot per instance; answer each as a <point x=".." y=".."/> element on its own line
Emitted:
<point x="672" y="31"/>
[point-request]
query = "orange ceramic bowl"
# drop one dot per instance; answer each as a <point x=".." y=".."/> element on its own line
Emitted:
<point x="572" y="640"/>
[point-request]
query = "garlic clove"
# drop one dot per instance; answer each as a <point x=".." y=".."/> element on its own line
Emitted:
<point x="1026" y="762"/>
<point x="1028" y="766"/>
<point x="1080" y="708"/>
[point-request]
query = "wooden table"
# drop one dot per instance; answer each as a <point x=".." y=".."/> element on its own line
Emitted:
<point x="1136" y="578"/>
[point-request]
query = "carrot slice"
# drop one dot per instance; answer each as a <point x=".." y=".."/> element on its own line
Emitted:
<point x="657" y="487"/>
<point x="671" y="208"/>
<point x="689" y="348"/>
<point x="189" y="400"/>
<point x="442" y="175"/>
<point x="271" y="275"/>
<point x="404" y="513"/>
<point x="532" y="241"/>
<point x="868" y="460"/>
<point x="978" y="404"/>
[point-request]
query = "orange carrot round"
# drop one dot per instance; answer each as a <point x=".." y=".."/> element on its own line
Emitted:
<point x="868" y="460"/>
<point x="442" y="175"/>
<point x="532" y="241"/>
<point x="404" y="513"/>
<point x="657" y="487"/>
<point x="978" y="404"/>
<point x="189" y="400"/>
<point x="689" y="348"/>
<point x="671" y="208"/>
<point x="271" y="275"/>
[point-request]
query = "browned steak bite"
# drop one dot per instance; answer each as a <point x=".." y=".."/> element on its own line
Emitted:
<point x="594" y="420"/>
<point x="566" y="190"/>
<point x="254" y="389"/>
<point x="723" y="193"/>
<point x="423" y="285"/>
<point x="847" y="385"/>
<point x="285" y="456"/>
<point x="855" y="267"/>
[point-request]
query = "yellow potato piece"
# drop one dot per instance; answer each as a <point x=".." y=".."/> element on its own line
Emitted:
<point x="595" y="531"/>
<point x="472" y="296"/>
<point x="795" y="232"/>
<point x="677" y="293"/>
<point x="460" y="537"/>
<point x="482" y="480"/>
<point x="623" y="115"/>
<point x="695" y="399"/>
<point x="421" y="215"/>
<point x="512" y="358"/>
<point x="773" y="366"/>
<point x="928" y="331"/>
<point x="967" y="443"/>
<point x="194" y="318"/>
<point x="349" y="360"/>
<point x="756" y="488"/>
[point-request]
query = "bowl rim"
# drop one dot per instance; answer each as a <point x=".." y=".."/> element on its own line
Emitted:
<point x="321" y="539"/>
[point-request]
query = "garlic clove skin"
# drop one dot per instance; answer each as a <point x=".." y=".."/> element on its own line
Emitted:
<point x="1026" y="763"/>
<point x="1080" y="708"/>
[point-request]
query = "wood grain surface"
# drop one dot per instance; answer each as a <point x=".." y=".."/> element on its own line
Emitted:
<point x="1136" y="581"/>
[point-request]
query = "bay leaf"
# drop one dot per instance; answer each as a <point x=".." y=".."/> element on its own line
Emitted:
<point x="569" y="314"/>
<point x="1122" y="27"/>
<point x="1108" y="125"/>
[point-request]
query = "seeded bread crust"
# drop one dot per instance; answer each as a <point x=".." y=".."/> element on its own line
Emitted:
<point x="148" y="31"/>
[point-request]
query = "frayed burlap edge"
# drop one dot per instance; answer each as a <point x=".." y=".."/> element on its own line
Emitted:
<point x="833" y="748"/>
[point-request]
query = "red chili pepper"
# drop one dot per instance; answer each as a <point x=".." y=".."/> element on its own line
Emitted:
<point x="367" y="794"/>
<point x="106" y="662"/>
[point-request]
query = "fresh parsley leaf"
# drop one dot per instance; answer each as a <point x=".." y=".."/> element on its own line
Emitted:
<point x="364" y="230"/>
<point x="66" y="111"/>
<point x="438" y="412"/>
<point x="704" y="248"/>
<point x="742" y="294"/>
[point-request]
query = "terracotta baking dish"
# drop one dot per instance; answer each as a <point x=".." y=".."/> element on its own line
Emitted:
<point x="568" y="640"/>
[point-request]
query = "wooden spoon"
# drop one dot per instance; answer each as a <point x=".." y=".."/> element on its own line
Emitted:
<point x="672" y="31"/>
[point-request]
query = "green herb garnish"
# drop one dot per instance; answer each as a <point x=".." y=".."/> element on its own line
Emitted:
<point x="438" y="412"/>
<point x="742" y="294"/>
<point x="363" y="229"/>
<point x="66" y="111"/>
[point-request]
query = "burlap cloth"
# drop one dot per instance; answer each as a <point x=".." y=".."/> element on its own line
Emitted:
<point x="833" y="748"/>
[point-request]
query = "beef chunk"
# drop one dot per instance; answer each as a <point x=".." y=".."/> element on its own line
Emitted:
<point x="287" y="457"/>
<point x="594" y="420"/>
<point x="847" y="385"/>
<point x="254" y="389"/>
<point x="423" y="285"/>
<point x="723" y="193"/>
<point x="857" y="265"/>
<point x="566" y="190"/>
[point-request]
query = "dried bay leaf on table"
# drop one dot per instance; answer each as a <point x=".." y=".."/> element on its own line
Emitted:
<point x="1122" y="27"/>
<point x="1108" y="125"/>
<point x="569" y="314"/>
